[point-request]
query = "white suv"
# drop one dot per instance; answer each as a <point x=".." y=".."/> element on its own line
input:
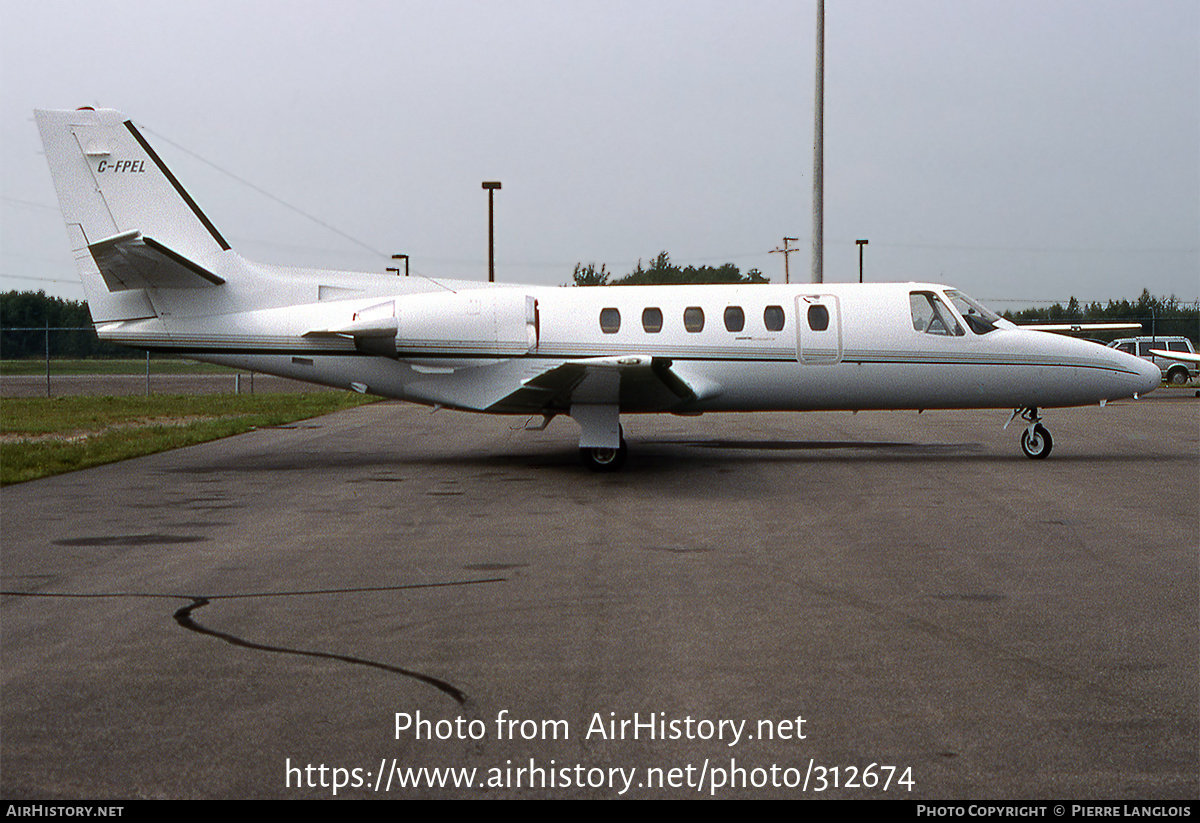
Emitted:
<point x="1175" y="372"/>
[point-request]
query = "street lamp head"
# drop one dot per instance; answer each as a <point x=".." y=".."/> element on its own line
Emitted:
<point x="495" y="184"/>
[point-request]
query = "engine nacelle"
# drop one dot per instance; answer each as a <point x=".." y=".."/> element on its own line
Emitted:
<point x="440" y="329"/>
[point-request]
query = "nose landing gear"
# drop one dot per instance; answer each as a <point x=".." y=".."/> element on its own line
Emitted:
<point x="1036" y="441"/>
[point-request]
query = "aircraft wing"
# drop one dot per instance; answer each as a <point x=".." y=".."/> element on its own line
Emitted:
<point x="1184" y="356"/>
<point x="1076" y="327"/>
<point x="535" y="386"/>
<point x="132" y="261"/>
<point x="634" y="382"/>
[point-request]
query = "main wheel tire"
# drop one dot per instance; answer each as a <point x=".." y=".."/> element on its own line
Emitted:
<point x="604" y="460"/>
<point x="1037" y="443"/>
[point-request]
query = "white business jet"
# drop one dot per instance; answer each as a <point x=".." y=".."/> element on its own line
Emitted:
<point x="159" y="276"/>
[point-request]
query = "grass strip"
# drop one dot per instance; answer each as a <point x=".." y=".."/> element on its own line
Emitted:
<point x="158" y="365"/>
<point x="47" y="436"/>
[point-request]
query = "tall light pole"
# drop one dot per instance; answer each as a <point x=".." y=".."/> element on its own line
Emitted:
<point x="860" y="243"/>
<point x="818" y="238"/>
<point x="491" y="187"/>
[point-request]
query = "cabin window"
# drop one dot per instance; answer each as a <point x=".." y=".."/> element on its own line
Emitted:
<point x="735" y="318"/>
<point x="1126" y="347"/>
<point x="610" y="321"/>
<point x="1177" y="345"/>
<point x="818" y="318"/>
<point x="773" y="318"/>
<point x="693" y="318"/>
<point x="652" y="320"/>
<point x="932" y="316"/>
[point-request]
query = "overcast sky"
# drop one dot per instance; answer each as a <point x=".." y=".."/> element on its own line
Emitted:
<point x="1023" y="151"/>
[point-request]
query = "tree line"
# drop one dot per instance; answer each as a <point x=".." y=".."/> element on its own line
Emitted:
<point x="1146" y="306"/>
<point x="1162" y="316"/>
<point x="663" y="272"/>
<point x="36" y="310"/>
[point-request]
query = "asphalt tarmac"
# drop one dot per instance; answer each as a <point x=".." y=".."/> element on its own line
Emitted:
<point x="792" y="605"/>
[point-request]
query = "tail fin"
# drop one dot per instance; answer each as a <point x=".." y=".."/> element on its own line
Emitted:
<point x="130" y="223"/>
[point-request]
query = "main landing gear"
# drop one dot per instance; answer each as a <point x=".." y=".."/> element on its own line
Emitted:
<point x="1036" y="441"/>
<point x="605" y="460"/>
<point x="601" y="437"/>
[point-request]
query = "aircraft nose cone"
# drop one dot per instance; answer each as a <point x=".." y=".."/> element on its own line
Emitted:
<point x="1151" y="376"/>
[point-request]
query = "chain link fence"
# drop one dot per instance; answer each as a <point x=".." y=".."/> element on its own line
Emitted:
<point x="51" y="361"/>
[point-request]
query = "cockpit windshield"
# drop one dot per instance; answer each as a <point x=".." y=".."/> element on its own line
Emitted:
<point x="932" y="316"/>
<point x="980" y="318"/>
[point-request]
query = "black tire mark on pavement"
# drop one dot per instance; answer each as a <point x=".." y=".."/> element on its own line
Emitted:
<point x="183" y="616"/>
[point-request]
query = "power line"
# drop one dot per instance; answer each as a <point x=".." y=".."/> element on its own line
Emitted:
<point x="73" y="280"/>
<point x="28" y="203"/>
<point x="286" y="204"/>
<point x="1032" y="249"/>
<point x="267" y="194"/>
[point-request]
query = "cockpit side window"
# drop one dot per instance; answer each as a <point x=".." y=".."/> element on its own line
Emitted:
<point x="980" y="318"/>
<point x="932" y="316"/>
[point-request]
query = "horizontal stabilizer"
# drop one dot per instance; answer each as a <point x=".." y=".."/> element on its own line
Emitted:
<point x="131" y="261"/>
<point x="374" y="327"/>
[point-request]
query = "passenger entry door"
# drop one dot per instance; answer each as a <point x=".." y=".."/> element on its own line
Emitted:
<point x="818" y="329"/>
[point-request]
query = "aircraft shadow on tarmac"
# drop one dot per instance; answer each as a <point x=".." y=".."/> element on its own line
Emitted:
<point x="653" y="456"/>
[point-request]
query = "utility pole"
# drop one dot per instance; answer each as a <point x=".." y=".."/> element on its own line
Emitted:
<point x="785" y="251"/>
<point x="818" y="239"/>
<point x="860" y="243"/>
<point x="491" y="187"/>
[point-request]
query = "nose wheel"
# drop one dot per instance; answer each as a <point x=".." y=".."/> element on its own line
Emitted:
<point x="1036" y="441"/>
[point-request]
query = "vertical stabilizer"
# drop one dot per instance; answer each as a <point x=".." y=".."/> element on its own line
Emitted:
<point x="131" y="225"/>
